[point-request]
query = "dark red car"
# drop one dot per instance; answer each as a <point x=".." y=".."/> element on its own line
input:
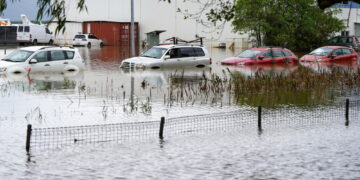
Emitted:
<point x="331" y="53"/>
<point x="262" y="56"/>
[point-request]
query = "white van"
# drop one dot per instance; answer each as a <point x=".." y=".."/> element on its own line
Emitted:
<point x="34" y="34"/>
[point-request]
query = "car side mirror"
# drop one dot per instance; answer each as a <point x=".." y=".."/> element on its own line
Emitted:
<point x="332" y="56"/>
<point x="33" y="61"/>
<point x="261" y="57"/>
<point x="166" y="57"/>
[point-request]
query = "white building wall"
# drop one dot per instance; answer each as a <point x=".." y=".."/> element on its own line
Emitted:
<point x="353" y="18"/>
<point x="153" y="15"/>
<point x="66" y="38"/>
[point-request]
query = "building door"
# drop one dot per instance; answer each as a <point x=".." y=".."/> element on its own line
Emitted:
<point x="357" y="29"/>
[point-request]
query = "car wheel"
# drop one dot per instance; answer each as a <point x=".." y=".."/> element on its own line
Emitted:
<point x="51" y="42"/>
<point x="35" y="42"/>
<point x="89" y="45"/>
<point x="101" y="44"/>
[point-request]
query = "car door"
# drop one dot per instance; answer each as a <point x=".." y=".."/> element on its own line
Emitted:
<point x="272" y="57"/>
<point x="43" y="62"/>
<point x="58" y="60"/>
<point x="175" y="55"/>
<point x="337" y="55"/>
<point x="347" y="54"/>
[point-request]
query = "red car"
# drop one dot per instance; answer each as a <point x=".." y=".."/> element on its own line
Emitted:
<point x="262" y="56"/>
<point x="331" y="53"/>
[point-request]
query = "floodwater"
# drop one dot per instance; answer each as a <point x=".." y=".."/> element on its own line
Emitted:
<point x="102" y="94"/>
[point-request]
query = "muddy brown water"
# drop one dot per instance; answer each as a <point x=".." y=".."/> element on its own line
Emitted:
<point x="102" y="95"/>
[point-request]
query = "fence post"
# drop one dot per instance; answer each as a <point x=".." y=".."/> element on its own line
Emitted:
<point x="28" y="137"/>
<point x="347" y="112"/>
<point x="161" y="131"/>
<point x="259" y="118"/>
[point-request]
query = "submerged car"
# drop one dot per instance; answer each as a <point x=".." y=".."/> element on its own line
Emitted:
<point x="330" y="53"/>
<point x="170" y="56"/>
<point x="87" y="40"/>
<point x="42" y="59"/>
<point x="262" y="56"/>
<point x="348" y="41"/>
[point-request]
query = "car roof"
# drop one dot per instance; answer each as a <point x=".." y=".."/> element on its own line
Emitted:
<point x="267" y="48"/>
<point x="36" y="48"/>
<point x="173" y="46"/>
<point x="335" y="47"/>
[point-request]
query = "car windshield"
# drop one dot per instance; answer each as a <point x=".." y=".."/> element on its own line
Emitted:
<point x="18" y="56"/>
<point x="79" y="36"/>
<point x="321" y="51"/>
<point x="154" y="52"/>
<point x="249" y="54"/>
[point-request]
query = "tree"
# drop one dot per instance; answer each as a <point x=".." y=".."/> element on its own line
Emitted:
<point x="295" y="24"/>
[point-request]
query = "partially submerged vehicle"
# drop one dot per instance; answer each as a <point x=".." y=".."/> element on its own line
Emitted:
<point x="170" y="56"/>
<point x="262" y="56"/>
<point x="330" y="53"/>
<point x="42" y="59"/>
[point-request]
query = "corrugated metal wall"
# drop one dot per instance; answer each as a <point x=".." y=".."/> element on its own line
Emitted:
<point x="112" y="33"/>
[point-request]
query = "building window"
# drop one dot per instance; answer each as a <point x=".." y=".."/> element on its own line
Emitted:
<point x="345" y="33"/>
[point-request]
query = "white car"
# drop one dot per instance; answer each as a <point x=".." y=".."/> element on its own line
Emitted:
<point x="170" y="56"/>
<point x="42" y="59"/>
<point x="87" y="40"/>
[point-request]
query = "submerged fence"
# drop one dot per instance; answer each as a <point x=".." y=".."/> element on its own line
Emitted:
<point x="257" y="118"/>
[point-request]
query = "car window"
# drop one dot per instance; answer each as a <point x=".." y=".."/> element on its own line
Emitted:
<point x="187" y="52"/>
<point x="287" y="53"/>
<point x="334" y="40"/>
<point x="57" y="55"/>
<point x="154" y="52"/>
<point x="250" y="53"/>
<point x="349" y="40"/>
<point x="199" y="52"/>
<point x="273" y="53"/>
<point x="69" y="54"/>
<point x="338" y="52"/>
<point x="174" y="53"/>
<point x="27" y="29"/>
<point x="321" y="51"/>
<point x="21" y="29"/>
<point x="18" y="56"/>
<point x="41" y="56"/>
<point x="47" y="31"/>
<point x="79" y="36"/>
<point x="343" y="40"/>
<point x="346" y="51"/>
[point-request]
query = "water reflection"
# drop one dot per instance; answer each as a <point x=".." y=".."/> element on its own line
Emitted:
<point x="328" y="66"/>
<point x="264" y="69"/>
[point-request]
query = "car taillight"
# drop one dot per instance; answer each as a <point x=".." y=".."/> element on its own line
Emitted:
<point x="84" y="39"/>
<point x="30" y="36"/>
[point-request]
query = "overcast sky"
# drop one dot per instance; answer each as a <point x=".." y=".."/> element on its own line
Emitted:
<point x="27" y="7"/>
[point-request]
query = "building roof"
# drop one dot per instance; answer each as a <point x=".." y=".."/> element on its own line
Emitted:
<point x="350" y="4"/>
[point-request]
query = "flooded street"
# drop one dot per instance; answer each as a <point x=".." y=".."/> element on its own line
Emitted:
<point x="106" y="94"/>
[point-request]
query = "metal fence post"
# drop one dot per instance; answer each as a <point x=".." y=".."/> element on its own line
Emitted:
<point x="347" y="112"/>
<point x="259" y="118"/>
<point x="28" y="137"/>
<point x="161" y="131"/>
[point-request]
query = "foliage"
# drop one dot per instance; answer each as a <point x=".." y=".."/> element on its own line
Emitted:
<point x="54" y="9"/>
<point x="296" y="24"/>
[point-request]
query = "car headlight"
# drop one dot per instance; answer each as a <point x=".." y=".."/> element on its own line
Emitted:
<point x="141" y="66"/>
<point x="3" y="69"/>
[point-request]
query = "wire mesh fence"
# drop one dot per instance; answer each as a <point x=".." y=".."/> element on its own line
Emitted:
<point x="256" y="118"/>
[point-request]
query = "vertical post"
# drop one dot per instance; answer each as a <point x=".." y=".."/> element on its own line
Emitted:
<point x="201" y="41"/>
<point x="259" y="118"/>
<point x="347" y="112"/>
<point x="161" y="131"/>
<point x="132" y="29"/>
<point x="28" y="137"/>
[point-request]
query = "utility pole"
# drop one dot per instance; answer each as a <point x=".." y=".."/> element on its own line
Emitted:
<point x="132" y="53"/>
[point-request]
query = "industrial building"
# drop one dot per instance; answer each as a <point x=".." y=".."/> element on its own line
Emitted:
<point x="109" y="20"/>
